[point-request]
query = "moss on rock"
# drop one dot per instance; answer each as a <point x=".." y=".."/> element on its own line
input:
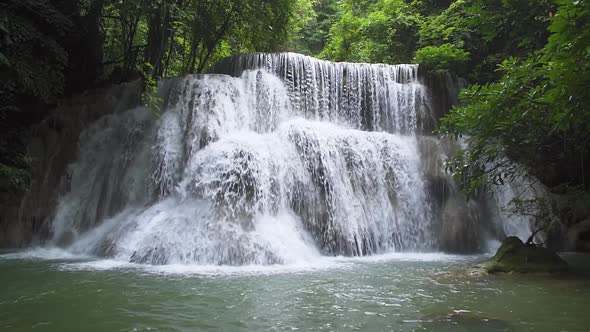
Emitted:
<point x="515" y="256"/>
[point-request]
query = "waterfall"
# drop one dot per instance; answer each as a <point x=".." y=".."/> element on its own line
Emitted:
<point x="279" y="159"/>
<point x="373" y="97"/>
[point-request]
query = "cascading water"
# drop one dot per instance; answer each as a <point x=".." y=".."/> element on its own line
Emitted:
<point x="288" y="159"/>
<point x="373" y="97"/>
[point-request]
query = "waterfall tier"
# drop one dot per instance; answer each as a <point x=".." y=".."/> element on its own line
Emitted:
<point x="374" y="97"/>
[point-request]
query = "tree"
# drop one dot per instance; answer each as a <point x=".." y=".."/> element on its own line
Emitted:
<point x="33" y="60"/>
<point x="315" y="19"/>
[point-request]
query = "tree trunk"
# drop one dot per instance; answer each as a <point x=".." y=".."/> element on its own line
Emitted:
<point x="154" y="42"/>
<point x="84" y="45"/>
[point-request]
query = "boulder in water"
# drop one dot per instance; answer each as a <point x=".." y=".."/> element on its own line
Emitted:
<point x="516" y="256"/>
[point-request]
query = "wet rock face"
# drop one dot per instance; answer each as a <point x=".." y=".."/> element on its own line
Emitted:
<point x="515" y="256"/>
<point x="460" y="229"/>
<point x="458" y="220"/>
<point x="52" y="147"/>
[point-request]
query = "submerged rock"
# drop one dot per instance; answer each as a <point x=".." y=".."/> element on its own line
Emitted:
<point x="463" y="320"/>
<point x="515" y="256"/>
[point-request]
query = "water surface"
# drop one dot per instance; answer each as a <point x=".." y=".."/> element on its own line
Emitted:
<point x="52" y="291"/>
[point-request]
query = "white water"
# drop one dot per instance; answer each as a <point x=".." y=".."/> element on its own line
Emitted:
<point x="67" y="261"/>
<point x="322" y="159"/>
<point x="374" y="97"/>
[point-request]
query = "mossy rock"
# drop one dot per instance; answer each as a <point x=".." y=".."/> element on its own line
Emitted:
<point x="515" y="256"/>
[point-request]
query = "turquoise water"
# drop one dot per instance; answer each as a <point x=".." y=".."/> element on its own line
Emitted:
<point x="50" y="291"/>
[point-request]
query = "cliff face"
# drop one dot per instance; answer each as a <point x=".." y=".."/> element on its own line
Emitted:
<point x="53" y="145"/>
<point x="445" y="88"/>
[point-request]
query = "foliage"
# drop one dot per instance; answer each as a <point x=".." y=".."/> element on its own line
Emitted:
<point x="391" y="31"/>
<point x="373" y="31"/>
<point x="176" y="37"/>
<point x="303" y="15"/>
<point x="489" y="30"/>
<point x="173" y="37"/>
<point x="14" y="166"/>
<point x="441" y="58"/>
<point x="32" y="58"/>
<point x="150" y="97"/>
<point x="535" y="115"/>
<point x="32" y="70"/>
<point x="450" y="26"/>
<point x="312" y="35"/>
<point x="14" y="179"/>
